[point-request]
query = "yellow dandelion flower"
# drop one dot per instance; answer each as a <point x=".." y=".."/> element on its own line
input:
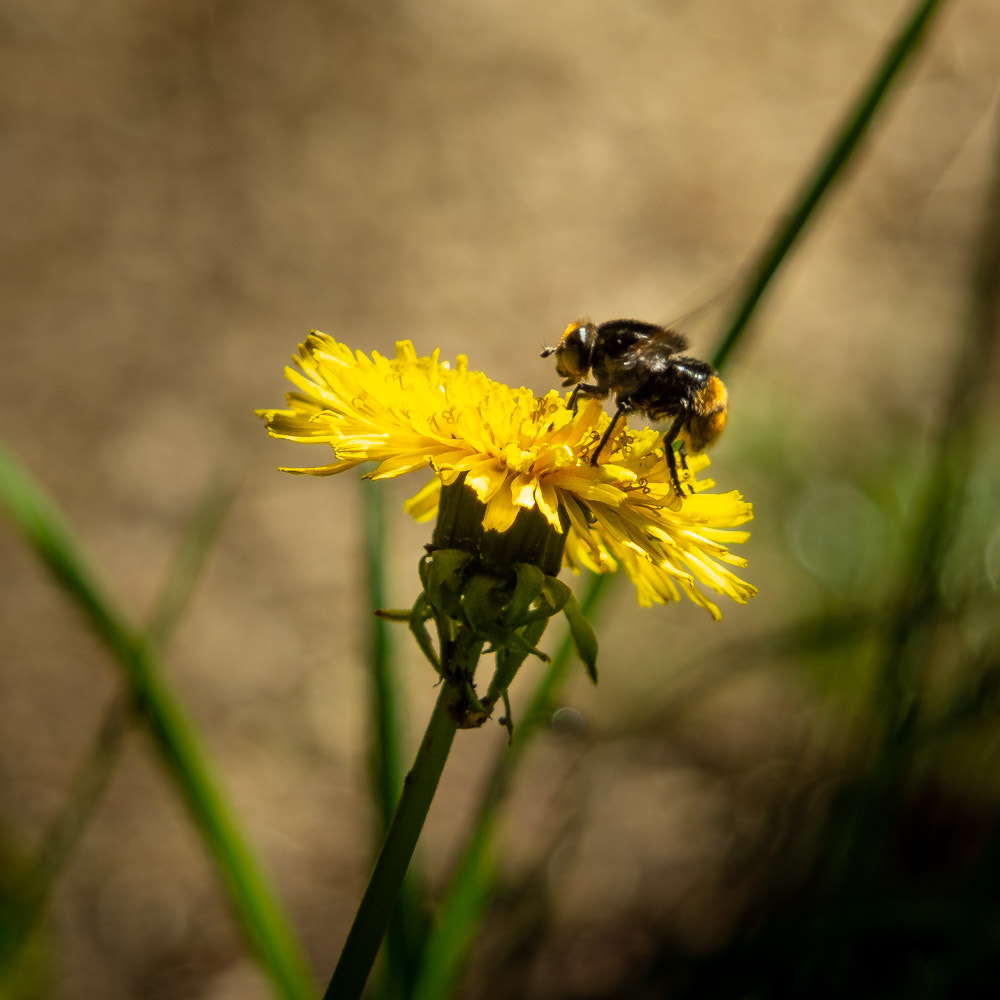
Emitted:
<point x="518" y="451"/>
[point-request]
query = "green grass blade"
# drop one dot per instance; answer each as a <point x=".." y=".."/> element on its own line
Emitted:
<point x="253" y="897"/>
<point x="189" y="561"/>
<point x="23" y="906"/>
<point x="407" y="925"/>
<point x="471" y="886"/>
<point x="54" y="541"/>
<point x="861" y="834"/>
<point x="916" y="607"/>
<point x="253" y="900"/>
<point x="469" y="895"/>
<point x="387" y="760"/>
<point x="829" y="165"/>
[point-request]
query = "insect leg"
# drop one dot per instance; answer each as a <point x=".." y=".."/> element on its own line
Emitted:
<point x="683" y="452"/>
<point x="622" y="408"/>
<point x="581" y="389"/>
<point x="668" y="448"/>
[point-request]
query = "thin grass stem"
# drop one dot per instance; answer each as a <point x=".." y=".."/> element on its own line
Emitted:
<point x="407" y="925"/>
<point x="33" y="888"/>
<point x="916" y="606"/>
<point x="188" y="561"/>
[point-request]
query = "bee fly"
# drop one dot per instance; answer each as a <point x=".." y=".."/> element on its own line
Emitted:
<point x="643" y="366"/>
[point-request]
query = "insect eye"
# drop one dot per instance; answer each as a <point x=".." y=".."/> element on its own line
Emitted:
<point x="574" y="359"/>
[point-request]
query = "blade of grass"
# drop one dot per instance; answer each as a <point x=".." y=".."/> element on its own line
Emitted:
<point x="859" y="836"/>
<point x="55" y="543"/>
<point x="407" y="926"/>
<point x="189" y="560"/>
<point x="386" y="752"/>
<point x="253" y="899"/>
<point x="29" y="897"/>
<point x="916" y="607"/>
<point x="829" y="165"/>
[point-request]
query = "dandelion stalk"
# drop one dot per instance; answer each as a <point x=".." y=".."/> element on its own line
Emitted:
<point x="373" y="914"/>
<point x="472" y="563"/>
<point x="516" y="497"/>
<point x="469" y="889"/>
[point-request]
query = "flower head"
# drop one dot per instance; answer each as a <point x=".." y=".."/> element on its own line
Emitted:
<point x="518" y="451"/>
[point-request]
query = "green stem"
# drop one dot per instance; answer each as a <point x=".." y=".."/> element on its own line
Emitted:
<point x="373" y="914"/>
<point x="508" y="663"/>
<point x="471" y="885"/>
<point x="35" y="886"/>
<point x="184" y="756"/>
<point x="406" y="926"/>
<point x="386" y="765"/>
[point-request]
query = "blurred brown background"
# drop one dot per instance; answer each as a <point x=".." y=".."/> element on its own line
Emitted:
<point x="187" y="187"/>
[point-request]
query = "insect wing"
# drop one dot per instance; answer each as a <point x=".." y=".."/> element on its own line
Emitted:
<point x="672" y="340"/>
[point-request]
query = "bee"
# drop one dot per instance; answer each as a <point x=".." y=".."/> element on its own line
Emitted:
<point x="643" y="365"/>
